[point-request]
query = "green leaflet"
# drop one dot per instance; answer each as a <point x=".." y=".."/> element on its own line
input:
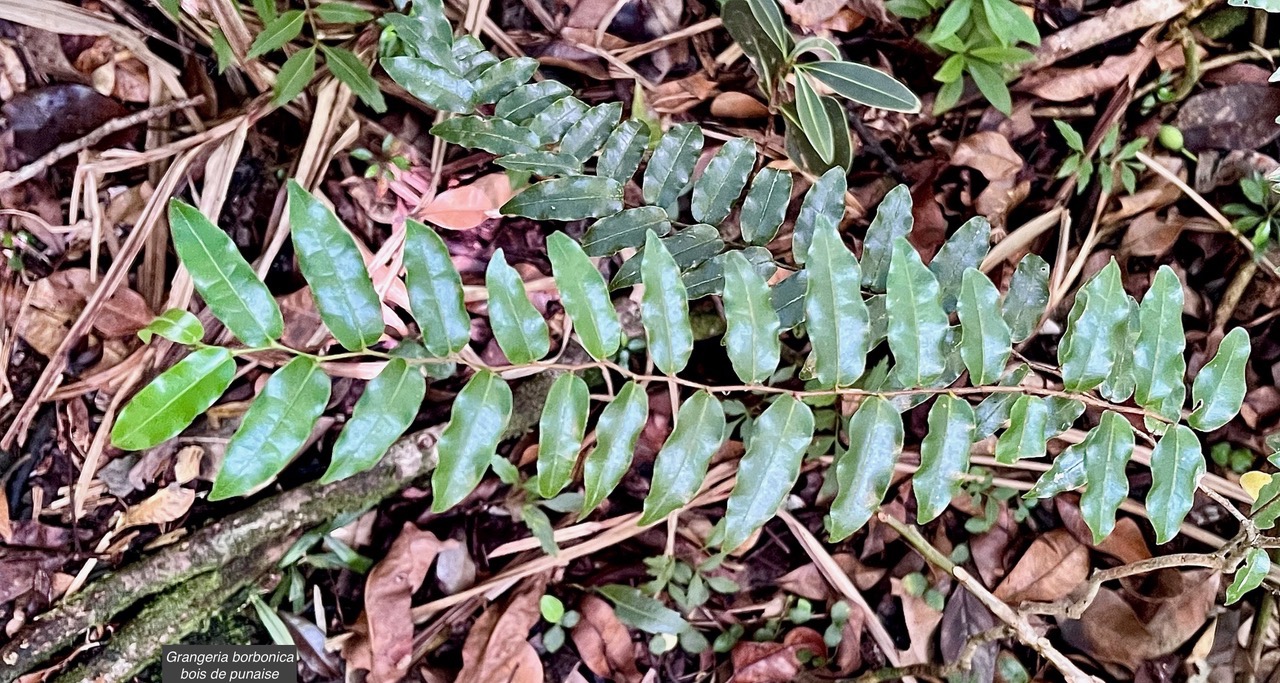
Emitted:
<point x="865" y="470"/>
<point x="590" y="131"/>
<point x="944" y="456"/>
<point x="765" y="207"/>
<point x="517" y="326"/>
<point x="427" y="33"/>
<point x="470" y="441"/>
<point x="1067" y="473"/>
<point x="622" y="152"/>
<point x="1256" y="566"/>
<point x="690" y="247"/>
<point x="295" y="75"/>
<point x="1177" y="464"/>
<point x="617" y="430"/>
<point x="173" y="400"/>
<point x="435" y="86"/>
<point x="965" y="249"/>
<point x="528" y="100"/>
<point x="1028" y="432"/>
<point x="585" y="297"/>
<point x="542" y="163"/>
<point x="864" y="85"/>
<point x="470" y="55"/>
<point x="176" y="325"/>
<point x="276" y="426"/>
<point x="331" y="263"/>
<point x="1107" y="449"/>
<point x="347" y="67"/>
<point x="671" y="165"/>
<point x="824" y="199"/>
<point x="801" y="150"/>
<point x="1158" y="364"/>
<point x="788" y="299"/>
<point x="722" y="181"/>
<point x="385" y="410"/>
<point x="341" y="13"/>
<point x="567" y="199"/>
<point x="560" y="432"/>
<point x="758" y="44"/>
<point x="752" y="327"/>
<point x="277" y="33"/>
<point x="1097" y="331"/>
<point x="612" y="234"/>
<point x="893" y="220"/>
<point x="553" y="122"/>
<point x="642" y="612"/>
<point x="435" y="291"/>
<point x="664" y="308"/>
<point x="813" y="119"/>
<point x="491" y="134"/>
<point x="682" y="462"/>
<point x="1218" y="390"/>
<point x="223" y="278"/>
<point x="1118" y="386"/>
<point x="769" y="468"/>
<point x="707" y="278"/>
<point x="878" y="314"/>
<point x="1027" y="297"/>
<point x="501" y="78"/>
<point x="917" y="323"/>
<point x="1063" y="412"/>
<point x="985" y="342"/>
<point x="993" y="411"/>
<point x="835" y="315"/>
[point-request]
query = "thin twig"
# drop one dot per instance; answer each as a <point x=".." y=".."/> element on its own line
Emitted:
<point x="962" y="664"/>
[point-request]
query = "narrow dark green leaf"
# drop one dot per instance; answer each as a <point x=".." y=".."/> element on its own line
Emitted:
<point x="479" y="417"/>
<point x="1067" y="473"/>
<point x="585" y="297"/>
<point x="617" y="430"/>
<point x="813" y="119"/>
<point x="664" y="308"/>
<point x="1177" y="464"/>
<point x="622" y="152"/>
<point x="385" y="410"/>
<point x="835" y="315"/>
<point x="1256" y="566"/>
<point x="347" y="67"/>
<point x="801" y="150"/>
<point x="560" y="432"/>
<point x="893" y="220"/>
<point x="990" y="81"/>
<point x="1027" y="297"/>
<point x="1218" y="390"/>
<point x="341" y="13"/>
<point x="590" y="132"/>
<point x="944" y="456"/>
<point x="682" y="462"/>
<point x="542" y="163"/>
<point x="517" y="326"/>
<point x="500" y="79"/>
<point x="671" y="165"/>
<point x="612" y="234"/>
<point x="752" y="327"/>
<point x="824" y="199"/>
<point x="567" y="199"/>
<point x="491" y="134"/>
<point x="993" y="411"/>
<point x="917" y="323"/>
<point x="530" y="99"/>
<point x="276" y="426"/>
<point x="768" y="469"/>
<point x="690" y="247"/>
<point x="427" y="33"/>
<point x="552" y="123"/>
<point x="965" y="249"/>
<point x="1097" y="328"/>
<point x="642" y="612"/>
<point x="765" y="207"/>
<point x="295" y="76"/>
<point x="985" y="343"/>
<point x="758" y="44"/>
<point x="173" y="400"/>
<point x="177" y="325"/>
<point x="1027" y="435"/>
<point x="788" y="299"/>
<point x="222" y="50"/>
<point x="864" y="85"/>
<point x="434" y="85"/>
<point x="1107" y="449"/>
<point x="1158" y="364"/>
<point x="276" y="33"/>
<point x="332" y="265"/>
<point x="865" y="470"/>
<point x="769" y="17"/>
<point x="223" y="278"/>
<point x="722" y="181"/>
<point x="435" y="291"/>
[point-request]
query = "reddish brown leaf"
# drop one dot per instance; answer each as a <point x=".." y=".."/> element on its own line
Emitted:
<point x="1054" y="565"/>
<point x="604" y="643"/>
<point x="775" y="662"/>
<point x="1150" y="235"/>
<point x="495" y="649"/>
<point x="466" y="207"/>
<point x="388" y="595"/>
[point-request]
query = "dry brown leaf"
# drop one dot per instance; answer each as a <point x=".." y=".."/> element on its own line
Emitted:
<point x="1125" y="543"/>
<point x="681" y="95"/>
<point x="775" y="662"/>
<point x="1151" y="235"/>
<point x="388" y="595"/>
<point x="921" y="621"/>
<point x="964" y="617"/>
<point x="1240" y="116"/>
<point x="1054" y="565"/>
<point x="1067" y="85"/>
<point x="187" y="463"/>
<point x="166" y="505"/>
<point x="495" y="649"/>
<point x="604" y="643"/>
<point x="807" y="580"/>
<point x="737" y="105"/>
<point x="455" y="570"/>
<point x="823" y="15"/>
<point x="466" y="207"/>
<point x="990" y="154"/>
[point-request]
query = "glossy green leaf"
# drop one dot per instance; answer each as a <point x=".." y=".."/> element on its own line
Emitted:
<point x="295" y="75"/>
<point x="788" y="299"/>
<point x="517" y="326"/>
<point x="331" y="263"/>
<point x="671" y="165"/>
<point x="622" y="152"/>
<point x="985" y="343"/>
<point x="835" y="314"/>
<point x="502" y="78"/>
<point x="347" y="67"/>
<point x="865" y="470"/>
<point x="892" y="221"/>
<point x="722" y="181"/>
<point x="173" y="400"/>
<point x="385" y="410"/>
<point x="560" y="432"/>
<point x="553" y="122"/>
<point x="432" y="84"/>
<point x="769" y="17"/>
<point x="341" y="13"/>
<point x="1177" y="464"/>
<point x="276" y="33"/>
<point x="276" y="426"/>
<point x="664" y="308"/>
<point x="177" y="325"/>
<point x="471" y="57"/>
<point x="864" y="85"/>
<point x="585" y="297"/>
<point x="427" y="34"/>
<point x="813" y="119"/>
<point x="824" y="199"/>
<point x="798" y="147"/>
<point x="567" y="199"/>
<point x="991" y="83"/>
<point x="765" y="207"/>
<point x="768" y="469"/>
<point x="690" y="247"/>
<point x="1063" y="412"/>
<point x="628" y="228"/>
<point x="1027" y="435"/>
<point x="1158" y="363"/>
<point x="993" y="411"/>
<point x="223" y="278"/>
<point x="682" y="462"/>
<point x="1256" y="566"/>
<point x="639" y="611"/>
<point x="530" y="99"/>
<point x="478" y="419"/>
<point x="541" y="163"/>
<point x="1027" y="297"/>
<point x="1067" y="473"/>
<point x="965" y="249"/>
<point x="752" y="327"/>
<point x="617" y="431"/>
<point x="1119" y="384"/>
<point x="1107" y="449"/>
<point x="1218" y="390"/>
<point x="590" y="132"/>
<point x="1097" y="329"/>
<point x="758" y="44"/>
<point x="491" y="134"/>
<point x="435" y="291"/>
<point x="944" y="456"/>
<point x="917" y="323"/>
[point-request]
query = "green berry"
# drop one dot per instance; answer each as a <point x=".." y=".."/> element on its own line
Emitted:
<point x="1171" y="138"/>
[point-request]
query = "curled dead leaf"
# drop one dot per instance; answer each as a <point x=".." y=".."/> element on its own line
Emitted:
<point x="388" y="595"/>
<point x="737" y="105"/>
<point x="775" y="662"/>
<point x="604" y="643"/>
<point x="497" y="648"/>
<point x="1054" y="565"/>
<point x="1151" y="235"/>
<point x="990" y="154"/>
<point x="166" y="505"/>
